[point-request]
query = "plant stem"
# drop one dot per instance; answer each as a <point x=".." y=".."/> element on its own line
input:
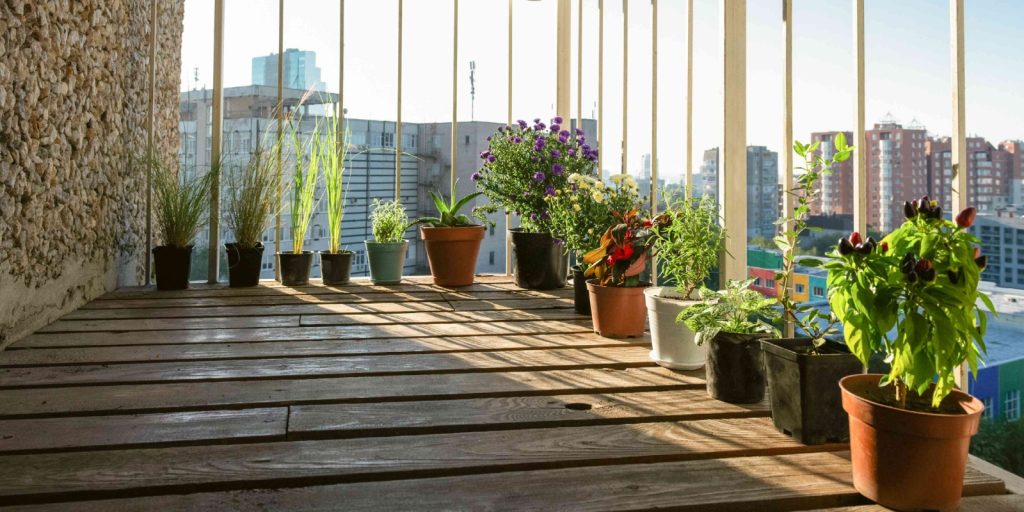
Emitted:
<point x="901" y="393"/>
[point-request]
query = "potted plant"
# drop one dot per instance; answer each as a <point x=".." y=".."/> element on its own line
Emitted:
<point x="180" y="205"/>
<point x="386" y="252"/>
<point x="523" y="165"/>
<point x="733" y="322"/>
<point x="616" y="290"/>
<point x="910" y="430"/>
<point x="296" y="265"/>
<point x="336" y="263"/>
<point x="689" y="246"/>
<point x="452" y="241"/>
<point x="579" y="216"/>
<point x="803" y="371"/>
<point x="250" y="203"/>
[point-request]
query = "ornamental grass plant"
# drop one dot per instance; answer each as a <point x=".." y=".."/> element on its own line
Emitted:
<point x="181" y="203"/>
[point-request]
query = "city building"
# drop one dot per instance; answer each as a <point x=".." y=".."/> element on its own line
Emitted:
<point x="1002" y="239"/>
<point x="763" y="190"/>
<point x="836" y="189"/>
<point x="989" y="174"/>
<point x="897" y="170"/>
<point x="300" y="70"/>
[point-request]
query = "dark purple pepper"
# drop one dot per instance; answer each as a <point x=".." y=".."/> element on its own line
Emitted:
<point x="912" y="277"/>
<point x="922" y="266"/>
<point x="927" y="275"/>
<point x="954" y="277"/>
<point x="907" y="265"/>
<point x="981" y="261"/>
<point x="910" y="209"/>
<point x="845" y="247"/>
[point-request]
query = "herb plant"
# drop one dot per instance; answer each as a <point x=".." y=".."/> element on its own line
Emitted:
<point x="690" y="244"/>
<point x="921" y="279"/>
<point x="737" y="310"/>
<point x="524" y="164"/>
<point x="333" y="149"/>
<point x="180" y="203"/>
<point x="389" y="221"/>
<point x="250" y="199"/>
<point x="581" y="213"/>
<point x="812" y="322"/>
<point x="304" y="180"/>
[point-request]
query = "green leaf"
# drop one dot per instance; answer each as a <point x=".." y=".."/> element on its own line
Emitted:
<point x="840" y="141"/>
<point x="809" y="262"/>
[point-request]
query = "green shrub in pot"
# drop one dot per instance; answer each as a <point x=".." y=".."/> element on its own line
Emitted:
<point x="181" y="206"/>
<point x="386" y="252"/>
<point x="249" y="209"/>
<point x="336" y="263"/>
<point x="296" y="264"/>
<point x="452" y="240"/>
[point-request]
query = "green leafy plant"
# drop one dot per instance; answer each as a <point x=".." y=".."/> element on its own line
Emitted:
<point x="333" y="150"/>
<point x="581" y="213"/>
<point x="304" y="178"/>
<point x="448" y="215"/>
<point x="737" y="310"/>
<point x="389" y="221"/>
<point x="690" y="244"/>
<point x="812" y="322"/>
<point x="921" y="279"/>
<point x="524" y="164"/>
<point x="181" y="204"/>
<point x="251" y="197"/>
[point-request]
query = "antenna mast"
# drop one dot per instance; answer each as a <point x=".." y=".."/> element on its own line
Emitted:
<point x="472" y="90"/>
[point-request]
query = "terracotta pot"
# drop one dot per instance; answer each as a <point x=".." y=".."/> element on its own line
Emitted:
<point x="672" y="344"/>
<point x="908" y="460"/>
<point x="452" y="252"/>
<point x="617" y="311"/>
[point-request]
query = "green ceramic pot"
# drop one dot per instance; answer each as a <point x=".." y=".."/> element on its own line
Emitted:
<point x="386" y="261"/>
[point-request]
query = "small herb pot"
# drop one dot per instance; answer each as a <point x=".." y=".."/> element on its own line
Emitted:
<point x="538" y="262"/>
<point x="452" y="253"/>
<point x="905" y="459"/>
<point x="580" y="295"/>
<point x="387" y="260"/>
<point x="803" y="388"/>
<point x="672" y="344"/>
<point x="617" y="311"/>
<point x="244" y="265"/>
<point x="172" y="266"/>
<point x="336" y="268"/>
<point x="735" y="368"/>
<point x="295" y="268"/>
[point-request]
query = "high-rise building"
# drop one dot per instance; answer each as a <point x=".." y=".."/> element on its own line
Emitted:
<point x="300" y="70"/>
<point x="989" y="174"/>
<point x="836" y="189"/>
<point x="762" y="187"/>
<point x="897" y="169"/>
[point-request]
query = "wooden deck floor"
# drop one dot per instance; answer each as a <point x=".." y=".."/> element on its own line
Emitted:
<point x="384" y="398"/>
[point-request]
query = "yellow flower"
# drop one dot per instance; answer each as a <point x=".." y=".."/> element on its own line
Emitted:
<point x="598" y="196"/>
<point x="576" y="207"/>
<point x="616" y="178"/>
<point x="599" y="185"/>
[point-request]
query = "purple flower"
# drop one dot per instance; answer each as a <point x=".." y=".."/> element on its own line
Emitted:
<point x="557" y="169"/>
<point x="491" y="158"/>
<point x="535" y="158"/>
<point x="539" y="176"/>
<point x="500" y="129"/>
<point x="555" y="128"/>
<point x="550" y="191"/>
<point x="557" y="120"/>
<point x="536" y="120"/>
<point x="572" y="152"/>
<point x="581" y="139"/>
<point x="522" y="124"/>
<point x="586" y="148"/>
<point x="544" y="215"/>
<point x="564" y="133"/>
<point x="489" y="137"/>
<point x="533" y="217"/>
<point x="579" y="131"/>
<point x="563" y="139"/>
<point x="517" y="139"/>
<point x="539" y="126"/>
<point x="475" y="177"/>
<point x="556" y="153"/>
<point x="484" y="155"/>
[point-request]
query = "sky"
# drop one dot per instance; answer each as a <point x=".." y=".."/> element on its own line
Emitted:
<point x="907" y="64"/>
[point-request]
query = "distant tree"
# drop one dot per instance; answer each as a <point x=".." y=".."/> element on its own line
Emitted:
<point x="1001" y="443"/>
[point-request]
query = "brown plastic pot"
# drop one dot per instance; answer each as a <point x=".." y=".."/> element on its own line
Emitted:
<point x="617" y="311"/>
<point x="452" y="252"/>
<point x="908" y="460"/>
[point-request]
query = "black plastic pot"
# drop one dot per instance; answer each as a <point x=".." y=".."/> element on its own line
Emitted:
<point x="172" y="266"/>
<point x="581" y="297"/>
<point x="336" y="267"/>
<point x="735" y="368"/>
<point x="804" y="388"/>
<point x="244" y="265"/>
<point x="538" y="263"/>
<point x="295" y="267"/>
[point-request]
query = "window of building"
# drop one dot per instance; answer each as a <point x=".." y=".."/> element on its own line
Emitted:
<point x="490" y="258"/>
<point x="770" y="283"/>
<point x="819" y="291"/>
<point x="1011" y="405"/>
<point x="800" y="288"/>
<point x="492" y="230"/>
<point x="988" y="412"/>
<point x="757" y="281"/>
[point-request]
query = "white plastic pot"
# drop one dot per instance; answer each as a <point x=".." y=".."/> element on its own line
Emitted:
<point x="672" y="343"/>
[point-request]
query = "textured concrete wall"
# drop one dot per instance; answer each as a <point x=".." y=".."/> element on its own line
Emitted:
<point x="74" y="100"/>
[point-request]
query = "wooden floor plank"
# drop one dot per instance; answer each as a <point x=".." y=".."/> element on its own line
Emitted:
<point x="189" y="469"/>
<point x="16" y="356"/>
<point x="92" y="432"/>
<point x="258" y="310"/>
<point x="342" y="332"/>
<point x="124" y="399"/>
<point x="997" y="503"/>
<point x="315" y="288"/>
<point x="261" y="300"/>
<point x="504" y="294"/>
<point x="747" y="484"/>
<point x="513" y="304"/>
<point x="164" y="324"/>
<point x="402" y="418"/>
<point x="446" y="317"/>
<point x="316" y="367"/>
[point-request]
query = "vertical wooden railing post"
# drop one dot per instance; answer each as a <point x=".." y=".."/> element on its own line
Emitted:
<point x="279" y="146"/>
<point x="960" y="154"/>
<point x="398" y="120"/>
<point x="150" y="127"/>
<point x="787" y="127"/>
<point x="217" y="127"/>
<point x="860" y="161"/>
<point x="689" y="99"/>
<point x="732" y="171"/>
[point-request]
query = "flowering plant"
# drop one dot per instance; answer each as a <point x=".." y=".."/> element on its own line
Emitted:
<point x="580" y="214"/>
<point x="921" y="279"/>
<point x="624" y="249"/>
<point x="525" y="164"/>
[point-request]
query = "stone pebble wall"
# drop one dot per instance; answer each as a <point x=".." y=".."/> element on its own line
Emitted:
<point x="74" y="104"/>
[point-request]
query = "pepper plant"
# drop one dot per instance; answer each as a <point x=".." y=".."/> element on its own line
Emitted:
<point x="812" y="322"/>
<point x="922" y="280"/>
